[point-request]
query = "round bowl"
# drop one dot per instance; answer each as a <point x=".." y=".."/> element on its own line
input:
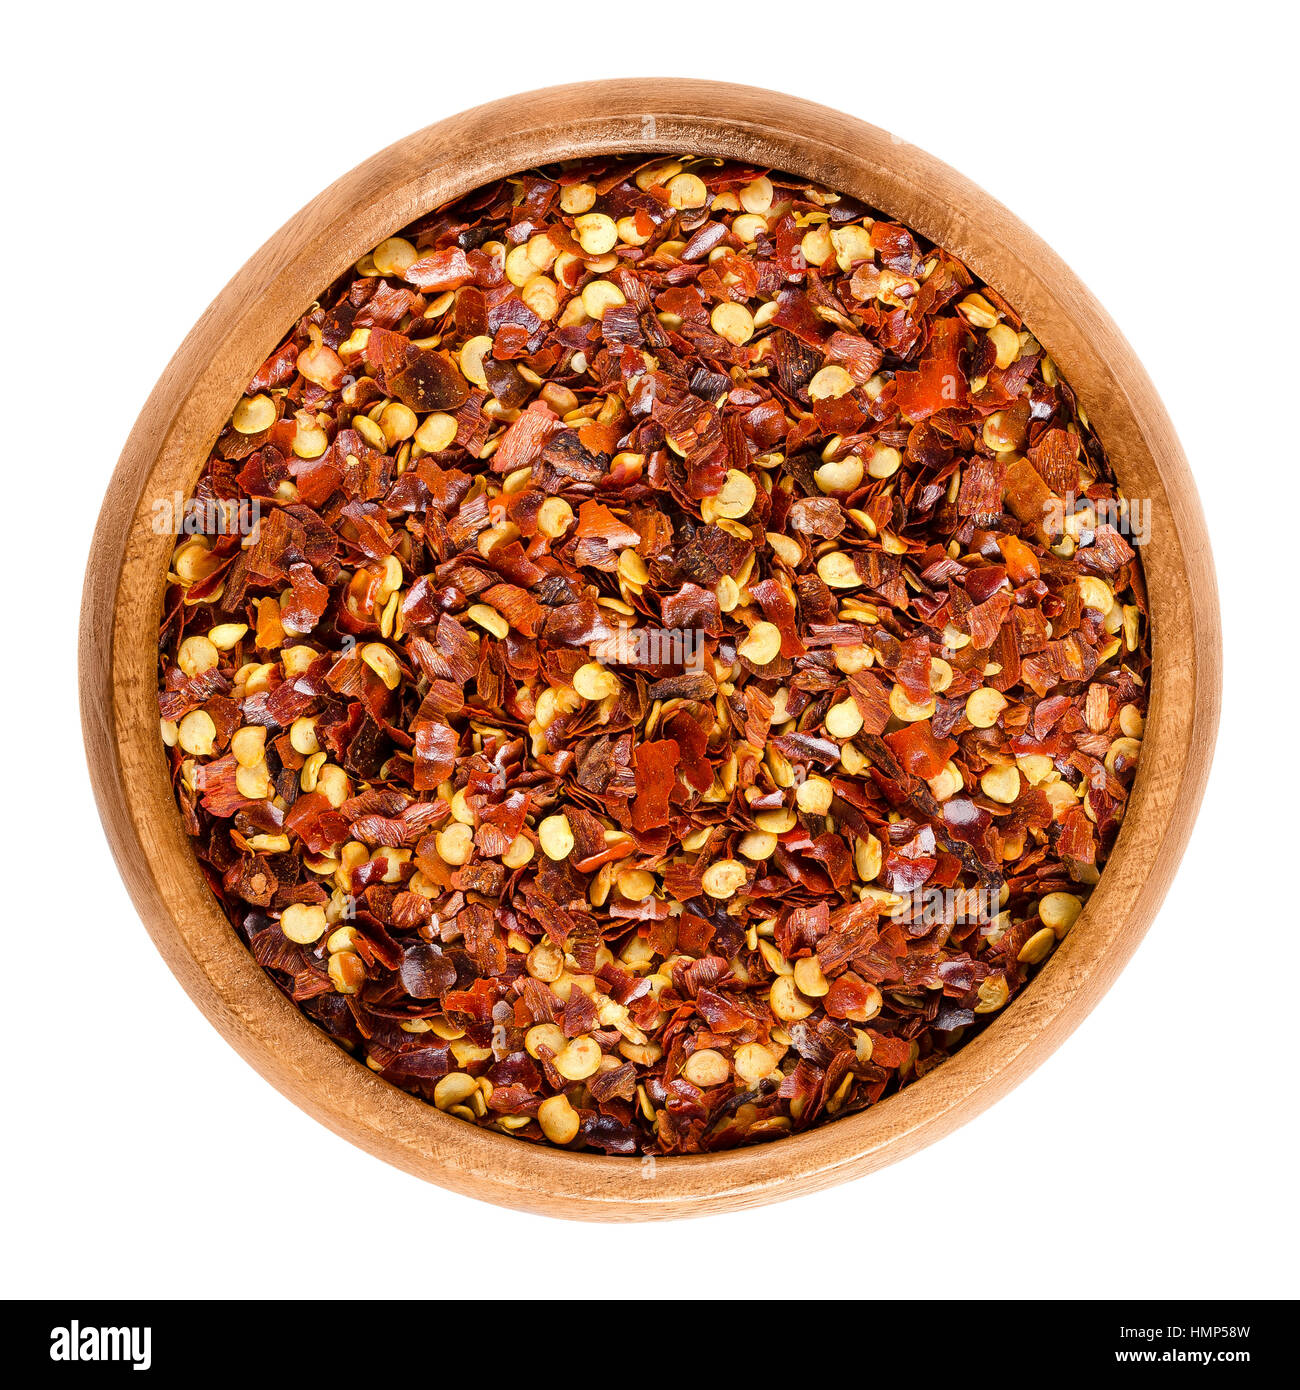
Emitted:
<point x="167" y="449"/>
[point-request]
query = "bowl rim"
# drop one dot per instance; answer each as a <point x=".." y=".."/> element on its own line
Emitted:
<point x="166" y="450"/>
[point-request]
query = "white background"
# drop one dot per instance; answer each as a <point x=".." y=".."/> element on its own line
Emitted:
<point x="150" y="151"/>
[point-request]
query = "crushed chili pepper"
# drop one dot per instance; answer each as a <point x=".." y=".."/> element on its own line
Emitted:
<point x="676" y="595"/>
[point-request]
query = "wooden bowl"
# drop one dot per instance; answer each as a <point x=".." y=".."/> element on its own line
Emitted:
<point x="168" y="447"/>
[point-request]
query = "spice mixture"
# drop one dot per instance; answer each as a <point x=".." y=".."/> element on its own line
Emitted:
<point x="685" y="666"/>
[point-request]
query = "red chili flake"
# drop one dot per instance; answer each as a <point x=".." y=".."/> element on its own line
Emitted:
<point x="681" y="677"/>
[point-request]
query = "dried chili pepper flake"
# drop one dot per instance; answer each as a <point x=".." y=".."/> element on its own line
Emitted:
<point x="666" y="576"/>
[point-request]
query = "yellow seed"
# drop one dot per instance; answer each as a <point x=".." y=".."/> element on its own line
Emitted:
<point x="1131" y="721"/>
<point x="632" y="568"/>
<point x="554" y="517"/>
<point x="597" y="234"/>
<point x="303" y="922"/>
<point x="297" y="660"/>
<point x="868" y="858"/>
<point x="628" y="232"/>
<point x="488" y="619"/>
<point x="471" y="359"/>
<point x="687" y="191"/>
<point x="736" y="496"/>
<point x="940" y="675"/>
<point x="816" y="246"/>
<point x="196" y="733"/>
<point x="454" y="1089"/>
<point x="344" y="939"/>
<point x="310" y="774"/>
<point x="772" y="958"/>
<point x="518" y="853"/>
<point x="309" y="440"/>
<point x="1037" y="948"/>
<point x="754" y="1062"/>
<point x="1096" y="593"/>
<point x="594" y="682"/>
<point x="398" y="423"/>
<point x="786" y="1001"/>
<point x="756" y="196"/>
<point x="852" y="246"/>
<point x="748" y="227"/>
<point x="829" y="383"/>
<point x="542" y="296"/>
<point x="253" y="414"/>
<point x="369" y="430"/>
<point x="196" y="655"/>
<point x="983" y="707"/>
<point x="1132" y="626"/>
<point x="844" y="720"/>
<point x="636" y="884"/>
<point x="1006" y="343"/>
<point x="1001" y="784"/>
<point x="333" y="784"/>
<point x="548" y="1035"/>
<point x="226" y="635"/>
<point x="839" y="475"/>
<point x="436" y="432"/>
<point x="786" y="548"/>
<point x="993" y="993"/>
<point x="577" y="197"/>
<point x="346" y="972"/>
<point x="884" y="462"/>
<point x="977" y="311"/>
<point x="578" y="1059"/>
<point x="1059" y="911"/>
<point x="853" y="760"/>
<point x="1035" y="767"/>
<point x="455" y="843"/>
<point x="383" y="663"/>
<point x="545" y="962"/>
<point x="519" y="266"/>
<point x="776" y="822"/>
<point x="653" y="175"/>
<point x="1129" y="749"/>
<point x="728" y="593"/>
<point x="249" y="745"/>
<point x="947" y="783"/>
<point x="707" y="1068"/>
<point x="302" y="736"/>
<point x="853" y="659"/>
<point x="556" y="836"/>
<point x="814" y="795"/>
<point x="758" y="845"/>
<point x="723" y="877"/>
<point x="733" y="322"/>
<point x="762" y="644"/>
<point x="600" y="295"/>
<point x="809" y="978"/>
<point x="901" y="706"/>
<point x="560" y="1122"/>
<point x="394" y="256"/>
<point x="837" y="570"/>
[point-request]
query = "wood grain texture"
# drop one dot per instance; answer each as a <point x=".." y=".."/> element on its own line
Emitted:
<point x="169" y="445"/>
